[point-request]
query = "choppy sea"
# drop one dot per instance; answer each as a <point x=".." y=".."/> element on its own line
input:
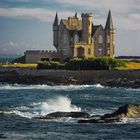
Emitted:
<point x="19" y="104"/>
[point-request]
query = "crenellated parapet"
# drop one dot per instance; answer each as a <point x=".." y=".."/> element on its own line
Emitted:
<point x="33" y="56"/>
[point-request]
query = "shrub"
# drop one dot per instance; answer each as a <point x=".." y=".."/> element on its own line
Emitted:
<point x="50" y="65"/>
<point x="100" y="63"/>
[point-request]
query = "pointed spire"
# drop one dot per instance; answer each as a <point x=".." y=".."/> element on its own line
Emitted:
<point x="109" y="22"/>
<point x="56" y="20"/>
<point x="76" y="14"/>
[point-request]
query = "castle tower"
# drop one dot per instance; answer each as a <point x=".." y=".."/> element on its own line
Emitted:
<point x="87" y="27"/>
<point x="55" y="32"/>
<point x="110" y="36"/>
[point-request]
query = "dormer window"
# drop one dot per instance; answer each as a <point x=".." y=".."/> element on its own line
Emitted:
<point x="100" y="39"/>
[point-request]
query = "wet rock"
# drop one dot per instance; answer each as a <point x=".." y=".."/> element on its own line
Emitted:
<point x="2" y="136"/>
<point x="65" y="114"/>
<point x="88" y="121"/>
<point x="128" y="111"/>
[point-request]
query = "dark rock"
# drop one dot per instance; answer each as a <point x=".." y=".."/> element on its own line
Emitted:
<point x="88" y="121"/>
<point x="65" y="114"/>
<point x="2" y="136"/>
<point x="128" y="111"/>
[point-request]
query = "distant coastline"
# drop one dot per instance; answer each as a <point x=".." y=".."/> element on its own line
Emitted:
<point x="112" y="78"/>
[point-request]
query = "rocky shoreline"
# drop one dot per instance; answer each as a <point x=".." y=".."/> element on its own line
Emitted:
<point x="111" y="78"/>
<point x="127" y="111"/>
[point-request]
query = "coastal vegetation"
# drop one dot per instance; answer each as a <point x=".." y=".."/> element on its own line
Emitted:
<point x="19" y="65"/>
<point x="131" y="65"/>
<point x="101" y="63"/>
<point x="79" y="64"/>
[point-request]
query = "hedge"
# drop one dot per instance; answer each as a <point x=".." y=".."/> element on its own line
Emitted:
<point x="100" y="63"/>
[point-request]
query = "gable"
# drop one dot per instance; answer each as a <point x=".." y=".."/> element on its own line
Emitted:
<point x="97" y="29"/>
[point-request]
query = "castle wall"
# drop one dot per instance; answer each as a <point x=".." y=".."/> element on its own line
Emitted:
<point x="111" y="44"/>
<point x="63" y="43"/>
<point x="86" y="27"/>
<point x="87" y="48"/>
<point x="99" y="48"/>
<point x="68" y="28"/>
<point x="35" y="56"/>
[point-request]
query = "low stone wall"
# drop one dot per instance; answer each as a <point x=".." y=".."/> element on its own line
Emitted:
<point x="125" y="78"/>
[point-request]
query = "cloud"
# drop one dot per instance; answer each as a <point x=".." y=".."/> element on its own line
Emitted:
<point x="123" y="5"/>
<point x="13" y="44"/>
<point x="125" y="13"/>
<point x="45" y="15"/>
<point x="18" y="0"/>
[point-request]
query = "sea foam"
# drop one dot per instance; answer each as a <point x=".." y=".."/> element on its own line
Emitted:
<point x="47" y="87"/>
<point x="59" y="103"/>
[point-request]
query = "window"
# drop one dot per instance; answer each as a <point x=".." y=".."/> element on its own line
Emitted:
<point x="89" y="51"/>
<point x="75" y="38"/>
<point x="100" y="39"/>
<point x="108" y="51"/>
<point x="108" y="39"/>
<point x="65" y="38"/>
<point x="99" y="52"/>
<point x="65" y="51"/>
<point x="71" y="39"/>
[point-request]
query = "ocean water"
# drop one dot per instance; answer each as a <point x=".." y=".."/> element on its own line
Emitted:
<point x="8" y="58"/>
<point x="20" y="104"/>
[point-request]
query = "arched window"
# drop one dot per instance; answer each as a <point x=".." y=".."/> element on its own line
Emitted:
<point x="108" y="39"/>
<point x="89" y="51"/>
<point x="76" y="39"/>
<point x="100" y="39"/>
<point x="65" y="38"/>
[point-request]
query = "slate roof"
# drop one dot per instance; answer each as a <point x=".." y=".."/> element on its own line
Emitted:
<point x="56" y="20"/>
<point x="94" y="28"/>
<point x="109" y="22"/>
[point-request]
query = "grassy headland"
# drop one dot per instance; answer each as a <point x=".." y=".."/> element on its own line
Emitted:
<point x="19" y="65"/>
<point x="78" y="63"/>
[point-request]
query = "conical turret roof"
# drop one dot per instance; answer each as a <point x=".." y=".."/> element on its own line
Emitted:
<point x="56" y="20"/>
<point x="76" y="14"/>
<point x="109" y="22"/>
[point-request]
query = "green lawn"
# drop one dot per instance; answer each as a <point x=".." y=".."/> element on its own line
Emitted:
<point x="19" y="65"/>
<point x="131" y="66"/>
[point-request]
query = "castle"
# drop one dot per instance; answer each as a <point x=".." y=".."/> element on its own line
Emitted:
<point x="74" y="37"/>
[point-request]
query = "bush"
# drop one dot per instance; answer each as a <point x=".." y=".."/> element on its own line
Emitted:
<point x="50" y="65"/>
<point x="100" y="63"/>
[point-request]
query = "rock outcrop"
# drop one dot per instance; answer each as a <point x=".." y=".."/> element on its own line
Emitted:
<point x="65" y="114"/>
<point x="127" y="111"/>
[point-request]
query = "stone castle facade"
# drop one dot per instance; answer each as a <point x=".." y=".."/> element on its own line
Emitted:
<point x="74" y="37"/>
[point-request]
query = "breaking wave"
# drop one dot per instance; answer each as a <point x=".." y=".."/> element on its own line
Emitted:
<point x="59" y="103"/>
<point x="69" y="87"/>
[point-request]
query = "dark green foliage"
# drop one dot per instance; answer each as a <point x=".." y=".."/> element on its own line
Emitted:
<point x="50" y="65"/>
<point x="100" y="63"/>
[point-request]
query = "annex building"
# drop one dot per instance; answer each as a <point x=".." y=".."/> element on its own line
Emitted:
<point x="78" y="37"/>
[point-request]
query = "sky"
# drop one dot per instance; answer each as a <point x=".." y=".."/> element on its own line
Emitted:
<point x="27" y="24"/>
